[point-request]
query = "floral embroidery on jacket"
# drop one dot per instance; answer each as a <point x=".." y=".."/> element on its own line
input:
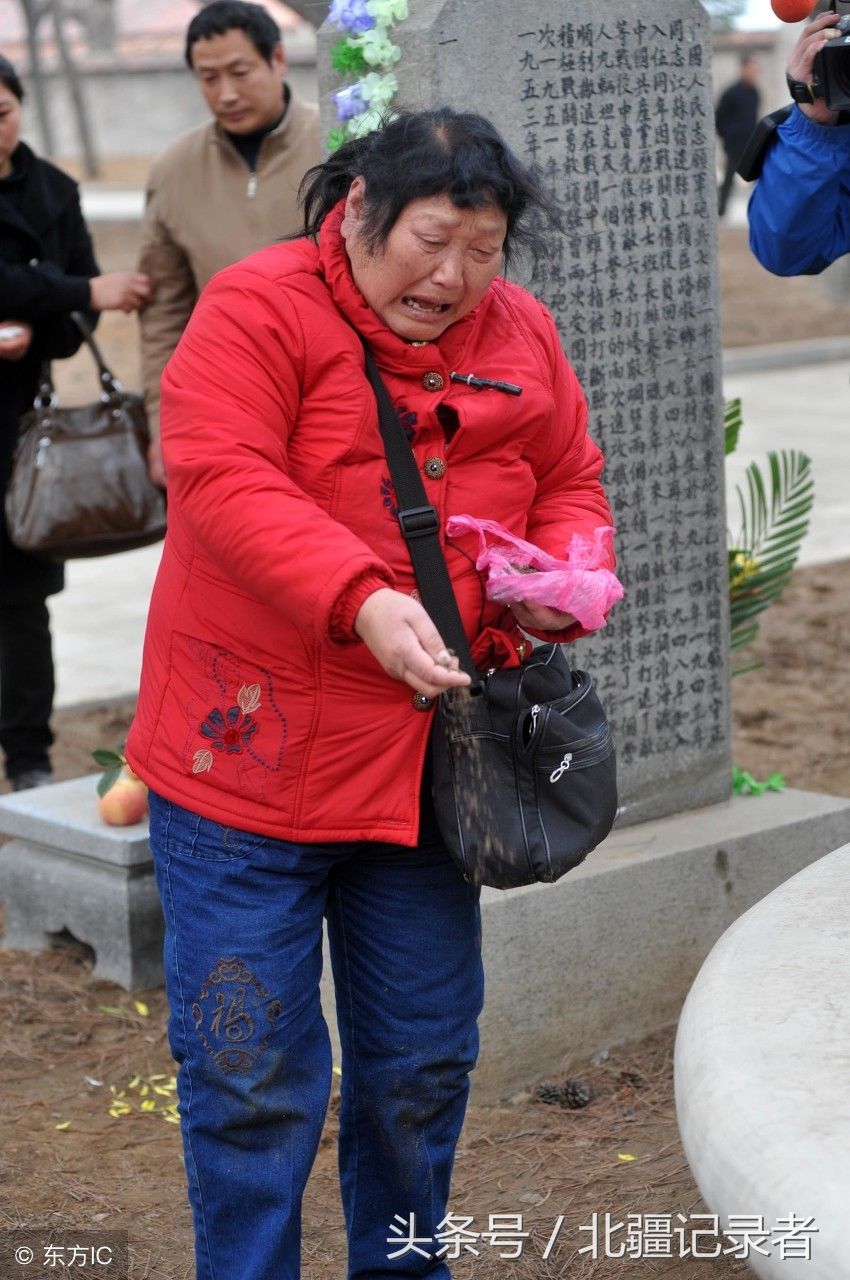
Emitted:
<point x="235" y="712"/>
<point x="388" y="497"/>
<point x="230" y="730"/>
<point x="408" y="420"/>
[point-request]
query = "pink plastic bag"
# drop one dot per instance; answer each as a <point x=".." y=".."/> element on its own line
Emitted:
<point x="517" y="570"/>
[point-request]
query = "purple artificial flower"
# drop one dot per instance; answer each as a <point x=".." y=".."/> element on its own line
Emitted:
<point x="349" y="102"/>
<point x="352" y="15"/>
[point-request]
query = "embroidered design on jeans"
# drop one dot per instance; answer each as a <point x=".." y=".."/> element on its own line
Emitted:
<point x="233" y="1016"/>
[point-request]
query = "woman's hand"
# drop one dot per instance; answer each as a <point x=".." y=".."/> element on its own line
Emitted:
<point x="816" y="36"/>
<point x="401" y="636"/>
<point x="539" y="617"/>
<point x="16" y="347"/>
<point x="120" y="291"/>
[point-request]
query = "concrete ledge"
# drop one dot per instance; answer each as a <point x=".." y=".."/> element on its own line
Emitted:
<point x="785" y="355"/>
<point x="609" y="953"/>
<point x="761" y="1067"/>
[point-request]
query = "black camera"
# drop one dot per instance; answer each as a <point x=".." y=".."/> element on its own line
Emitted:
<point x="832" y="69"/>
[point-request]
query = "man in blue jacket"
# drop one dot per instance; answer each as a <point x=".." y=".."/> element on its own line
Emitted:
<point x="800" y="209"/>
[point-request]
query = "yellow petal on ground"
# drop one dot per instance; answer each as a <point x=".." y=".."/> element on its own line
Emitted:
<point x="163" y="1093"/>
<point x="135" y="1082"/>
<point x="622" y="1155"/>
<point x="144" y="1090"/>
<point x="161" y="1076"/>
<point x="142" y="1008"/>
<point x="148" y="1105"/>
<point x="171" y="1119"/>
<point x="66" y="1124"/>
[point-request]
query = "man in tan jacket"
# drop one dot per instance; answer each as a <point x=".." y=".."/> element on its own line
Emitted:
<point x="228" y="187"/>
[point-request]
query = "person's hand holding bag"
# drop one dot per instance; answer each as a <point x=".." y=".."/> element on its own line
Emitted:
<point x="400" y="635"/>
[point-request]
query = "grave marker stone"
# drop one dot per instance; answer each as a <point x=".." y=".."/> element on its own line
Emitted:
<point x="613" y="104"/>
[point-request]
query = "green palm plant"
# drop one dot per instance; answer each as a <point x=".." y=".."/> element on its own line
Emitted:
<point x="774" y="512"/>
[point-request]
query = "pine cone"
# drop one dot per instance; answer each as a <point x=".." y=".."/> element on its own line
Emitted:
<point x="549" y="1092"/>
<point x="576" y="1093"/>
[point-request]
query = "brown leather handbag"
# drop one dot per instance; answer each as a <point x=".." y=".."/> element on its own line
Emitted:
<point x="79" y="485"/>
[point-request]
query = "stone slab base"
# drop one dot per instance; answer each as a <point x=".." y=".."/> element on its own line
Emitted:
<point x="66" y="870"/>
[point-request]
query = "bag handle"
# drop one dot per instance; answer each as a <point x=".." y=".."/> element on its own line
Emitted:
<point x="109" y="382"/>
<point x="46" y="397"/>
<point x="420" y="526"/>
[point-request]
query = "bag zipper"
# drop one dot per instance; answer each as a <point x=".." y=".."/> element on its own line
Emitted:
<point x="577" y="744"/>
<point x="579" y="761"/>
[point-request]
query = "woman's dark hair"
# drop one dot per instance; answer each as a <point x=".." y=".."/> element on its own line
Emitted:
<point x="10" y="78"/>
<point x="221" y="16"/>
<point x="417" y="154"/>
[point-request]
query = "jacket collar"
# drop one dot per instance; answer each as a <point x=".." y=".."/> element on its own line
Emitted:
<point x="390" y="350"/>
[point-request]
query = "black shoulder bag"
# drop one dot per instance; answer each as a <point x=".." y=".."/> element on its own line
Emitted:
<point x="525" y="781"/>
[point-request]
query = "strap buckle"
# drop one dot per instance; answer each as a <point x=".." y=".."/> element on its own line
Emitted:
<point x="418" y="522"/>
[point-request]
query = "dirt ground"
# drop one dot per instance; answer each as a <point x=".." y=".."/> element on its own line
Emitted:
<point x="78" y="1154"/>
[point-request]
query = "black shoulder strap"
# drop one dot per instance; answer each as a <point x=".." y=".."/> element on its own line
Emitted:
<point x="419" y="525"/>
<point x="752" y="157"/>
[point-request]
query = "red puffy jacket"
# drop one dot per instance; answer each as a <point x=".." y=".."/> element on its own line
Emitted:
<point x="259" y="707"/>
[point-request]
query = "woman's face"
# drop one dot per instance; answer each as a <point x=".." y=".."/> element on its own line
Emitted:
<point x="435" y="265"/>
<point x="10" y="128"/>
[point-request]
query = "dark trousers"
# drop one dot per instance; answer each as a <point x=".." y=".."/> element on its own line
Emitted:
<point x="26" y="685"/>
<point x="725" y="189"/>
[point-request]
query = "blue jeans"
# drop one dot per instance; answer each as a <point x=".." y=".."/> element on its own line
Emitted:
<point x="243" y="958"/>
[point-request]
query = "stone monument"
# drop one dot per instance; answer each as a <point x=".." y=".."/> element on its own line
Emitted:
<point x="613" y="106"/>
